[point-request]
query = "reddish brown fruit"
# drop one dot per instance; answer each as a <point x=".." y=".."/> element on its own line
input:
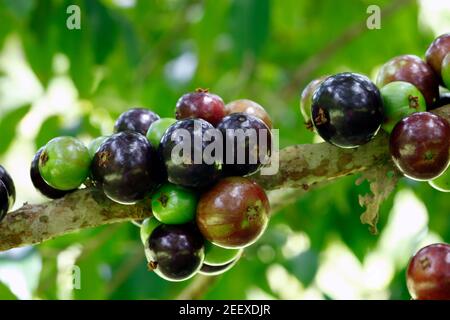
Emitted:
<point x="412" y="69"/>
<point x="201" y="104"/>
<point x="419" y="145"/>
<point x="249" y="107"/>
<point x="436" y="52"/>
<point x="234" y="213"/>
<point x="428" y="275"/>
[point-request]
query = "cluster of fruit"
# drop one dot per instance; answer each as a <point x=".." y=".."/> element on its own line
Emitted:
<point x="348" y="109"/>
<point x="204" y="213"/>
<point x="7" y="192"/>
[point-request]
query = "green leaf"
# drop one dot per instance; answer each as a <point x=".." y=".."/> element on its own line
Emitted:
<point x="5" y="293"/>
<point x="103" y="28"/>
<point x="304" y="266"/>
<point x="8" y="125"/>
<point x="20" y="8"/>
<point x="50" y="129"/>
<point x="250" y="25"/>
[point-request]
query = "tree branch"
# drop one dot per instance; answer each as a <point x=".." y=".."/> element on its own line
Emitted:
<point x="82" y="209"/>
<point x="301" y="167"/>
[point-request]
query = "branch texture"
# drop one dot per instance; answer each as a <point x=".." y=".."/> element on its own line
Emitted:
<point x="301" y="167"/>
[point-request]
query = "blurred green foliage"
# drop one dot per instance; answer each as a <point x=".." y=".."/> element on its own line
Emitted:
<point x="152" y="52"/>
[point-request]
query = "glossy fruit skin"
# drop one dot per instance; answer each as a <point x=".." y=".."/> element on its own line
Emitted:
<point x="347" y="110"/>
<point x="444" y="99"/>
<point x="135" y="120"/>
<point x="428" y="274"/>
<point x="400" y="99"/>
<point x="201" y="104"/>
<point x="436" y="53"/>
<point x="40" y="183"/>
<point x="306" y="99"/>
<point x="234" y="213"/>
<point x="157" y="129"/>
<point x="441" y="183"/>
<point x="95" y="144"/>
<point x="249" y="107"/>
<point x="188" y="173"/>
<point x="9" y="184"/>
<point x="419" y="146"/>
<point x="126" y="167"/>
<point x="175" y="252"/>
<point x="412" y="69"/>
<point x="173" y="204"/>
<point x="209" y="270"/>
<point x="445" y="71"/>
<point x="259" y="150"/>
<point x="64" y="163"/>
<point x="4" y="200"/>
<point x="218" y="256"/>
<point x="147" y="227"/>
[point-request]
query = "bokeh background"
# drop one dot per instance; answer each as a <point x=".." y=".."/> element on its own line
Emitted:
<point x="55" y="81"/>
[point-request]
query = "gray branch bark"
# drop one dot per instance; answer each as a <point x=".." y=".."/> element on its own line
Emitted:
<point x="301" y="167"/>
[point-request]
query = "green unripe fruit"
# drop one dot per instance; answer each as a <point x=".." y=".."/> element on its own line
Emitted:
<point x="95" y="144"/>
<point x="64" y="163"/>
<point x="157" y="129"/>
<point x="173" y="204"/>
<point x="441" y="183"/>
<point x="147" y="227"/>
<point x="400" y="99"/>
<point x="216" y="256"/>
<point x="445" y="70"/>
<point x="306" y="100"/>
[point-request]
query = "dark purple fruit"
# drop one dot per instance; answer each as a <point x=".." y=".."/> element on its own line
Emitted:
<point x="444" y="99"/>
<point x="436" y="52"/>
<point x="189" y="168"/>
<point x="347" y="110"/>
<point x="412" y="69"/>
<point x="201" y="104"/>
<point x="4" y="200"/>
<point x="234" y="213"/>
<point x="136" y="120"/>
<point x="419" y="145"/>
<point x="40" y="183"/>
<point x="175" y="252"/>
<point x="209" y="270"/>
<point x="246" y="144"/>
<point x="9" y="184"/>
<point x="126" y="167"/>
<point x="428" y="275"/>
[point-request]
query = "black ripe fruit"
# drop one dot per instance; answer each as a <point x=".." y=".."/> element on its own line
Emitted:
<point x="136" y="120"/>
<point x="4" y="201"/>
<point x="9" y="184"/>
<point x="347" y="110"/>
<point x="249" y="134"/>
<point x="190" y="167"/>
<point x="40" y="184"/>
<point x="175" y="252"/>
<point x="126" y="167"/>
